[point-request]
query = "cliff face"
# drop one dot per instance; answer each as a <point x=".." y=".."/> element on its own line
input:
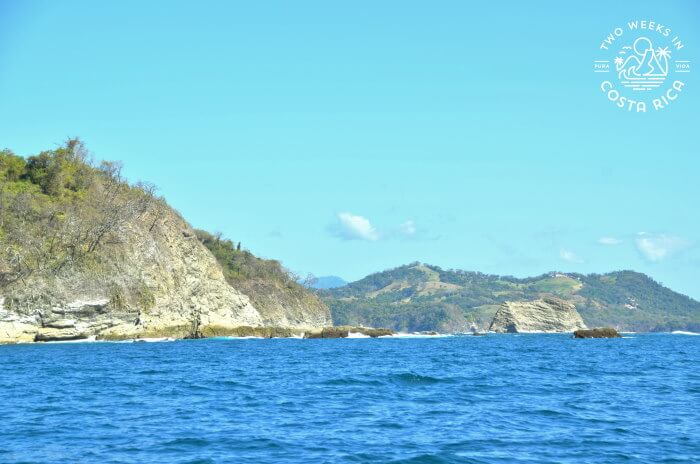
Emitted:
<point x="544" y="315"/>
<point x="286" y="305"/>
<point x="106" y="260"/>
<point x="276" y="294"/>
<point x="154" y="282"/>
<point x="157" y="282"/>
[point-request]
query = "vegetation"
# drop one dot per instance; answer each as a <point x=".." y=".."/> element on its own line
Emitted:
<point x="423" y="297"/>
<point x="271" y="288"/>
<point x="241" y="265"/>
<point x="58" y="208"/>
<point x="632" y="300"/>
<point x="64" y="217"/>
<point x="60" y="211"/>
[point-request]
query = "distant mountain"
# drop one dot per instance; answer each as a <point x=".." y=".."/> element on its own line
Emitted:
<point x="424" y="297"/>
<point x="326" y="282"/>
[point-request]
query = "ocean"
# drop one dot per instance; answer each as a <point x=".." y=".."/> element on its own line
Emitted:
<point x="462" y="399"/>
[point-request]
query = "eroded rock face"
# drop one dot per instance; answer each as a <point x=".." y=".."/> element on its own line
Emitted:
<point x="154" y="280"/>
<point x="345" y="331"/>
<point x="281" y="306"/>
<point x="548" y="314"/>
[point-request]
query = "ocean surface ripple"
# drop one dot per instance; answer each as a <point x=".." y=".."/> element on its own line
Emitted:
<point x="493" y="399"/>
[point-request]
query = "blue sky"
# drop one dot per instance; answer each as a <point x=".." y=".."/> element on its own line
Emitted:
<point x="349" y="137"/>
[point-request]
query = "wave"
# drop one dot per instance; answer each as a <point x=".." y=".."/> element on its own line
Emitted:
<point x="683" y="332"/>
<point x="141" y="340"/>
<point x="411" y="378"/>
<point x="93" y="339"/>
<point x="188" y="441"/>
<point x="415" y="335"/>
<point x="352" y="381"/>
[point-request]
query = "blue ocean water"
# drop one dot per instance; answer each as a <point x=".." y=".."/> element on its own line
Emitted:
<point x="492" y="399"/>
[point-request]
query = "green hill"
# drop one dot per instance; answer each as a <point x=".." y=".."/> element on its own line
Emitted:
<point x="423" y="297"/>
<point x="84" y="253"/>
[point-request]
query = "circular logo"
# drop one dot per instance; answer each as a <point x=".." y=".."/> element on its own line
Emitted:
<point x="643" y="66"/>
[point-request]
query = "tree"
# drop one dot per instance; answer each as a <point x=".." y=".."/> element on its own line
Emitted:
<point x="57" y="208"/>
<point x="310" y="280"/>
<point x="11" y="166"/>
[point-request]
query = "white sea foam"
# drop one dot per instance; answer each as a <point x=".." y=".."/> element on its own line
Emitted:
<point x="357" y="335"/>
<point x="416" y="335"/>
<point x="683" y="332"/>
<point x="93" y="339"/>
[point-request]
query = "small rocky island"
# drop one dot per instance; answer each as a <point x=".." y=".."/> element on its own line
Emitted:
<point x="548" y="314"/>
<point x="600" y="332"/>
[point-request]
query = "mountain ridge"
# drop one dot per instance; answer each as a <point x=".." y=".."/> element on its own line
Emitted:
<point x="420" y="296"/>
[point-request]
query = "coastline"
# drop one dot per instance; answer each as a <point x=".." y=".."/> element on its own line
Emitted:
<point x="213" y="331"/>
<point x="268" y="333"/>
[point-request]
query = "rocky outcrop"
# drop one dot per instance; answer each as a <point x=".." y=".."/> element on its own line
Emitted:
<point x="347" y="331"/>
<point x="547" y="314"/>
<point x="599" y="332"/>
<point x="283" y="305"/>
<point x="154" y="279"/>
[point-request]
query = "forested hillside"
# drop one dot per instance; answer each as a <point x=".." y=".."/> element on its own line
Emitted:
<point x="58" y="209"/>
<point x="424" y="297"/>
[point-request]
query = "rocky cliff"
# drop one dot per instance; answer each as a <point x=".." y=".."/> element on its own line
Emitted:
<point x="275" y="292"/>
<point x="95" y="257"/>
<point x="544" y="315"/>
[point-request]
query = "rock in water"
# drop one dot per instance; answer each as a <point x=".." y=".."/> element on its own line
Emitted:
<point x="548" y="314"/>
<point x="345" y="331"/>
<point x="600" y="332"/>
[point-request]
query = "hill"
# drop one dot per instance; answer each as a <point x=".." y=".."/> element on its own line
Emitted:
<point x="418" y="297"/>
<point x="273" y="290"/>
<point x="84" y="253"/>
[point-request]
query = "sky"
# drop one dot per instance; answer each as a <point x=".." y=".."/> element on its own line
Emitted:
<point x="345" y="138"/>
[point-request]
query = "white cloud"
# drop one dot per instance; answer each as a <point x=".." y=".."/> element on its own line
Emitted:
<point x="569" y="256"/>
<point x="657" y="247"/>
<point x="609" y="241"/>
<point x="353" y="227"/>
<point x="408" y="228"/>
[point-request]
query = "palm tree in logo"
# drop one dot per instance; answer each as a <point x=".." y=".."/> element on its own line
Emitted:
<point x="662" y="56"/>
